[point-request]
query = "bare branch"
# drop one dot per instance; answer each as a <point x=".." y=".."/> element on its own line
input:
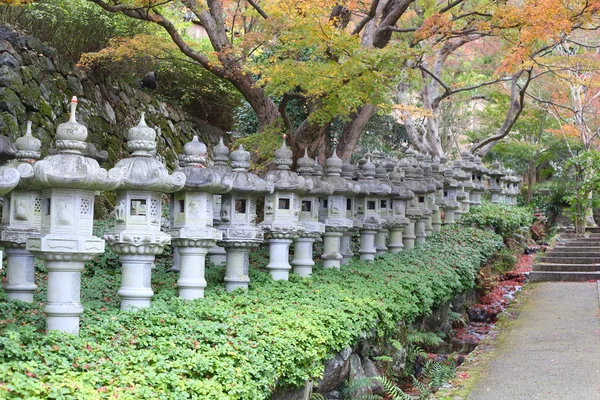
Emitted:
<point x="517" y="102"/>
<point x="401" y="30"/>
<point x="451" y="5"/>
<point x="258" y="9"/>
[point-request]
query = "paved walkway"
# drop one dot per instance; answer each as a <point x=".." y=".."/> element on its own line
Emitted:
<point x="552" y="351"/>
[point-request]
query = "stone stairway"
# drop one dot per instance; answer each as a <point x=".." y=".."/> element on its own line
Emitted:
<point x="572" y="259"/>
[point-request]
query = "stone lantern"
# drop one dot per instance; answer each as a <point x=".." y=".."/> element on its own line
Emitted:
<point x="137" y="237"/>
<point x="451" y="205"/>
<point x="430" y="205"/>
<point x="460" y="176"/>
<point x="333" y="212"/>
<point x="385" y="206"/>
<point x="468" y="186"/>
<point x="281" y="212"/>
<point x="349" y="173"/>
<point x="398" y="221"/>
<point x="495" y="182"/>
<point x="192" y="228"/>
<point x="69" y="182"/>
<point x="21" y="218"/>
<point x="238" y="219"/>
<point x="309" y="215"/>
<point x="369" y="209"/>
<point x="413" y="182"/>
<point x="217" y="254"/>
<point x="436" y="199"/>
<point x="478" y="187"/>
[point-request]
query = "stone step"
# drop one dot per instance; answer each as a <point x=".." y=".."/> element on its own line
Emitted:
<point x="580" y="243"/>
<point x="575" y="249"/>
<point x="560" y="259"/>
<point x="544" y="276"/>
<point x="566" y="267"/>
<point x="593" y="230"/>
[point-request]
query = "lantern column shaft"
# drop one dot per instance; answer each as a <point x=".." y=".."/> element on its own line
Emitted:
<point x="279" y="266"/>
<point x="191" y="282"/>
<point x="20" y="274"/>
<point x="346" y="246"/>
<point x="380" y="241"/>
<point x="237" y="266"/>
<point x="63" y="306"/>
<point x="396" y="244"/>
<point x="331" y="250"/>
<point x="303" y="262"/>
<point x="136" y="291"/>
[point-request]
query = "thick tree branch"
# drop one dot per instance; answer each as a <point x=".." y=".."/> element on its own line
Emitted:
<point x="145" y="15"/>
<point x="372" y="12"/>
<point x="382" y="34"/>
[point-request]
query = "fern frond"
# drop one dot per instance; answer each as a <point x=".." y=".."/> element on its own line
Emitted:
<point x="392" y="390"/>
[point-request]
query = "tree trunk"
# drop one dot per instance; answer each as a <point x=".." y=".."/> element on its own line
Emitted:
<point x="352" y="131"/>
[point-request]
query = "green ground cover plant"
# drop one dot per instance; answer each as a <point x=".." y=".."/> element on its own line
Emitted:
<point x="228" y="345"/>
<point x="505" y="220"/>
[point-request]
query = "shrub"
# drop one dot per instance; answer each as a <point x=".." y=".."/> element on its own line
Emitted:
<point x="229" y="345"/>
<point x="505" y="220"/>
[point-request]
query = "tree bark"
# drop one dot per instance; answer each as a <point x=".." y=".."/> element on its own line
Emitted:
<point x="352" y="130"/>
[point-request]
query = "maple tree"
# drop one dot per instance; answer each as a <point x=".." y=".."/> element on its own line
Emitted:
<point x="347" y="60"/>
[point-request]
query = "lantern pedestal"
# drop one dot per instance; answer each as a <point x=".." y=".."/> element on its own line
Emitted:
<point x="192" y="253"/>
<point x="237" y="265"/>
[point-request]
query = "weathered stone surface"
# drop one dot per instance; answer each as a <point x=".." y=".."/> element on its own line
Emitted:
<point x="36" y="85"/>
<point x="10" y="78"/>
<point x="336" y="371"/>
<point x="302" y="393"/>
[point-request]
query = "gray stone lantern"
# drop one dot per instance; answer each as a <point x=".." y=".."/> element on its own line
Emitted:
<point x="385" y="206"/>
<point x="477" y="176"/>
<point x="460" y="176"/>
<point x="281" y="212"/>
<point x="349" y="173"/>
<point x="309" y="215"/>
<point x="192" y="228"/>
<point x="221" y="166"/>
<point x="451" y="204"/>
<point x="430" y="204"/>
<point x="369" y="210"/>
<point x="400" y="195"/>
<point x="437" y="198"/>
<point x="21" y="218"/>
<point x="414" y="183"/>
<point x="238" y="219"/>
<point x="468" y="167"/>
<point x="69" y="182"/>
<point x="495" y="182"/>
<point x="137" y="237"/>
<point x="333" y="212"/>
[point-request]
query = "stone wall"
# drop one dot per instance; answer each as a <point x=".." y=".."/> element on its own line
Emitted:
<point x="36" y="85"/>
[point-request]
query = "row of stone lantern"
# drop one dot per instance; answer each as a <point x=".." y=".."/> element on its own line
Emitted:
<point x="48" y="212"/>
